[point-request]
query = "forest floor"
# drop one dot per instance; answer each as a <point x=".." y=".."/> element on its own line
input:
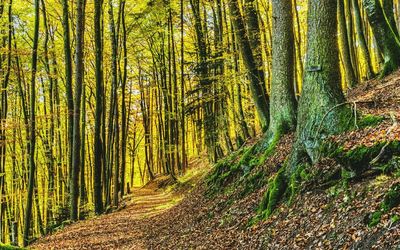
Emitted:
<point x="121" y="229"/>
<point x="195" y="215"/>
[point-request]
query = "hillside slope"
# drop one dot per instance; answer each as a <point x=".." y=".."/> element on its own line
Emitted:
<point x="349" y="211"/>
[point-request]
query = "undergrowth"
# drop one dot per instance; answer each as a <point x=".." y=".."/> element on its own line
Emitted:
<point x="240" y="173"/>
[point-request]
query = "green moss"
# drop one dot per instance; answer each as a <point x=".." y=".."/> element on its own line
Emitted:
<point x="300" y="175"/>
<point x="253" y="183"/>
<point x="269" y="150"/>
<point x="375" y="219"/>
<point x="276" y="189"/>
<point x="394" y="219"/>
<point x="370" y="121"/>
<point x="359" y="158"/>
<point x="9" y="247"/>
<point x="393" y="166"/>
<point x="391" y="200"/>
<point x="222" y="167"/>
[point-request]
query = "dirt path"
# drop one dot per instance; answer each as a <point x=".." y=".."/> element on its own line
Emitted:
<point x="117" y="230"/>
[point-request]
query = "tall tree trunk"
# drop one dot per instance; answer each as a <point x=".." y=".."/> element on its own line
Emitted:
<point x="183" y="127"/>
<point x="68" y="79"/>
<point x="389" y="15"/>
<point x="4" y="204"/>
<point x="319" y="114"/>
<point x="114" y="101"/>
<point x="387" y="41"/>
<point x="351" y="80"/>
<point x="32" y="128"/>
<point x="79" y="78"/>
<point x="257" y="89"/>
<point x="98" y="127"/>
<point x="254" y="35"/>
<point x="124" y="116"/>
<point x="205" y="82"/>
<point x="365" y="58"/>
<point x="82" y="187"/>
<point x="283" y="101"/>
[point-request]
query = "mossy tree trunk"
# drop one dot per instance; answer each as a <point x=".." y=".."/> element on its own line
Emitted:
<point x="320" y="110"/>
<point x="257" y="88"/>
<point x="387" y="41"/>
<point x="366" y="66"/>
<point x="283" y="100"/>
<point x="351" y="80"/>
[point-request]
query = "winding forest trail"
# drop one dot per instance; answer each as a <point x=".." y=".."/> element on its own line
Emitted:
<point x="122" y="229"/>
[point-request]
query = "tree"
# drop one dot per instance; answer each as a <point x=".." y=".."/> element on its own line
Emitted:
<point x="350" y="76"/>
<point x="319" y="114"/>
<point x="258" y="93"/>
<point x="99" y="122"/>
<point x="387" y="6"/>
<point x="387" y="41"/>
<point x="321" y="111"/>
<point x="365" y="57"/>
<point x="205" y="82"/>
<point x="68" y="78"/>
<point x="32" y="126"/>
<point x="79" y="78"/>
<point x="283" y="101"/>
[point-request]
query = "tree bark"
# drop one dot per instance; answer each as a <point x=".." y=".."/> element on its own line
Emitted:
<point x="79" y="78"/>
<point x="350" y="76"/>
<point x="68" y="79"/>
<point x="32" y="128"/>
<point x="387" y="41"/>
<point x="389" y="15"/>
<point x="257" y="89"/>
<point x="365" y="58"/>
<point x="99" y="124"/>
<point x="283" y="101"/>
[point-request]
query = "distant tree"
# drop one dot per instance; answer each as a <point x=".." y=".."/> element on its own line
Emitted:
<point x="365" y="57"/>
<point x="388" y="7"/>
<point x="388" y="42"/>
<point x="350" y="76"/>
<point x="79" y="78"/>
<point x="99" y="121"/>
<point x="257" y="88"/>
<point x="32" y="127"/>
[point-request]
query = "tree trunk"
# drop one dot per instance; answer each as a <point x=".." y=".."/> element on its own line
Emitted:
<point x="32" y="129"/>
<point x="320" y="113"/>
<point x="98" y="127"/>
<point x="68" y="79"/>
<point x="124" y="116"/>
<point x="283" y="101"/>
<point x="254" y="35"/>
<point x="321" y="90"/>
<point x="114" y="103"/>
<point x="350" y="76"/>
<point x="387" y="41"/>
<point x="257" y="89"/>
<point x="389" y="15"/>
<point x="365" y="58"/>
<point x="79" y="78"/>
